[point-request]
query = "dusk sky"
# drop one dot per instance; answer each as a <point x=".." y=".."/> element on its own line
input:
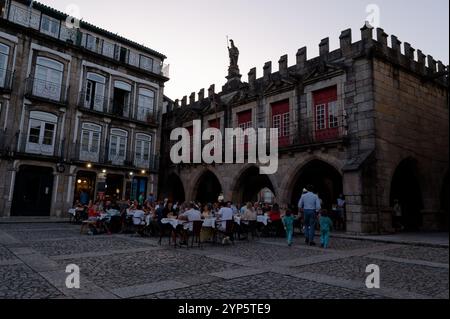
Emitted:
<point x="192" y="34"/>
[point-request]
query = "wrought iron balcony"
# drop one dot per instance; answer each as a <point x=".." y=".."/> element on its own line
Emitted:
<point x="97" y="103"/>
<point x="45" y="90"/>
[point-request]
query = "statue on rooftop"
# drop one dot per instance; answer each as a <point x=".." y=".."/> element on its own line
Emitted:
<point x="234" y="59"/>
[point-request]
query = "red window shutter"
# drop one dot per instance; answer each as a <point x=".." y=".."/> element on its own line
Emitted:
<point x="214" y="124"/>
<point x="244" y="117"/>
<point x="325" y="95"/>
<point x="280" y="108"/>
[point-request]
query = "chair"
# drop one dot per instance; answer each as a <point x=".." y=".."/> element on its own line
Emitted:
<point x="196" y="232"/>
<point x="229" y="230"/>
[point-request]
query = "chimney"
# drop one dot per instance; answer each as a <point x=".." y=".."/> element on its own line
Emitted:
<point x="252" y="77"/>
<point x="346" y="41"/>
<point x="324" y="47"/>
<point x="283" y="65"/>
<point x="301" y="58"/>
<point x="267" y="71"/>
<point x="201" y="95"/>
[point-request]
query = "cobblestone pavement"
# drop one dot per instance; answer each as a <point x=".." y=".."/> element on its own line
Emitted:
<point x="33" y="260"/>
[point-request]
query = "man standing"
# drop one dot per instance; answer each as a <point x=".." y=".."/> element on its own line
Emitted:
<point x="309" y="204"/>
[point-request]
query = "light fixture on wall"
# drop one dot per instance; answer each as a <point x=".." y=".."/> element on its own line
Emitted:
<point x="89" y="165"/>
<point x="60" y="168"/>
<point x="143" y="172"/>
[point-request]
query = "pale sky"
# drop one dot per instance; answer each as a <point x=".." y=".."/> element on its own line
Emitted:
<point x="192" y="33"/>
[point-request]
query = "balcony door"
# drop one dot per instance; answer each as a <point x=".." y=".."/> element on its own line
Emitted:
<point x="143" y="149"/>
<point x="122" y="98"/>
<point x="95" y="92"/>
<point x="4" y="53"/>
<point x="41" y="134"/>
<point x="90" y="142"/>
<point x="118" y="146"/>
<point x="48" y="79"/>
<point x="146" y="105"/>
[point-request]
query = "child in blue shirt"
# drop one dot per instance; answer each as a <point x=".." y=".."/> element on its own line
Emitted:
<point x="288" y="223"/>
<point x="325" y="228"/>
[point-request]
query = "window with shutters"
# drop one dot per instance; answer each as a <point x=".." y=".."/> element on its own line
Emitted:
<point x="90" y="142"/>
<point x="281" y="121"/>
<point x="118" y="146"/>
<point x="143" y="150"/>
<point x="326" y="114"/>
<point x="41" y="133"/>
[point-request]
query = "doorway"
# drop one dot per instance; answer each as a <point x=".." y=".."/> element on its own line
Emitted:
<point x="33" y="191"/>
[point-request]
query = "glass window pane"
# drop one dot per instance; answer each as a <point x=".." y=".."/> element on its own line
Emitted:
<point x="48" y="134"/>
<point x="35" y="132"/>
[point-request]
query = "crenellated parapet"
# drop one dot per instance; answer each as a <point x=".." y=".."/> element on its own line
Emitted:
<point x="398" y="53"/>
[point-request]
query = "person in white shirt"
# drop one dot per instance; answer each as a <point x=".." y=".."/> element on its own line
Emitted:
<point x="310" y="205"/>
<point x="191" y="215"/>
<point x="138" y="216"/>
<point x="225" y="214"/>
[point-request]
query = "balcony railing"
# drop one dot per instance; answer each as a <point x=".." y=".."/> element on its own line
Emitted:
<point x="103" y="156"/>
<point x="45" y="90"/>
<point x="121" y="109"/>
<point x="37" y="149"/>
<point x="6" y="79"/>
<point x="97" y="103"/>
<point x="145" y="115"/>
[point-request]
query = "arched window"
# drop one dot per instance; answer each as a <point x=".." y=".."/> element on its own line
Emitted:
<point x="146" y="105"/>
<point x="4" y="54"/>
<point x="41" y="133"/>
<point x="90" y="142"/>
<point x="143" y="150"/>
<point x="95" y="92"/>
<point x="48" y="79"/>
<point x="118" y="146"/>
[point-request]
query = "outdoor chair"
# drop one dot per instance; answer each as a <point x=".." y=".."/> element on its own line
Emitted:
<point x="253" y="229"/>
<point x="196" y="232"/>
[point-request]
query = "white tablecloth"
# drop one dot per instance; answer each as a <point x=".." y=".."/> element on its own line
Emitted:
<point x="174" y="222"/>
<point x="209" y="223"/>
<point x="263" y="219"/>
<point x="72" y="211"/>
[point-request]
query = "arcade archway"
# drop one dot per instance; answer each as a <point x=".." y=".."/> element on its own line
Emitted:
<point x="405" y="188"/>
<point x="174" y="189"/>
<point x="250" y="184"/>
<point x="325" y="179"/>
<point x="208" y="188"/>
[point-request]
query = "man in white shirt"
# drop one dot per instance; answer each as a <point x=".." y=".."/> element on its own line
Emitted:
<point x="310" y="205"/>
<point x="191" y="215"/>
<point x="225" y="213"/>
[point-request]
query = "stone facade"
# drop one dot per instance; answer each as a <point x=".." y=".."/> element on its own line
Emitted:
<point x="388" y="108"/>
<point x="82" y="102"/>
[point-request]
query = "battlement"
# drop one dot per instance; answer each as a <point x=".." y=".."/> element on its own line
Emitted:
<point x="373" y="43"/>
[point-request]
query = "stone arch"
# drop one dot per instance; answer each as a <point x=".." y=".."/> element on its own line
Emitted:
<point x="248" y="182"/>
<point x="293" y="189"/>
<point x="207" y="187"/>
<point x="405" y="187"/>
<point x="174" y="188"/>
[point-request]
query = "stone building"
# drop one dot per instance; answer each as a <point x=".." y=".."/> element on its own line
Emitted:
<point x="80" y="110"/>
<point x="366" y="120"/>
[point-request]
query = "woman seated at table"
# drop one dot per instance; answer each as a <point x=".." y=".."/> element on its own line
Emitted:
<point x="207" y="212"/>
<point x="93" y="212"/>
<point x="249" y="213"/>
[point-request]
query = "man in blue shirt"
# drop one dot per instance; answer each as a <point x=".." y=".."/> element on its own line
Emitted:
<point x="309" y="204"/>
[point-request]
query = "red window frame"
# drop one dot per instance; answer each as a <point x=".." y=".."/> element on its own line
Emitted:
<point x="281" y="118"/>
<point x="245" y="121"/>
<point x="326" y="118"/>
<point x="214" y="124"/>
